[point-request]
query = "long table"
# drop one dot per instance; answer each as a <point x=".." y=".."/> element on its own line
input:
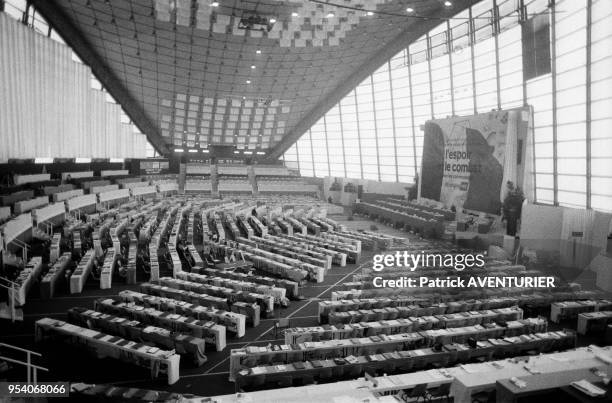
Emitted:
<point x="233" y="322"/>
<point x="570" y="309"/>
<point x="382" y="343"/>
<point x="104" y="345"/>
<point x="183" y="344"/>
<point x="354" y="366"/>
<point x="278" y="294"/>
<point x="588" y="319"/>
<point x="108" y="267"/>
<point x="211" y="332"/>
<point x="50" y="281"/>
<point x="81" y="273"/>
<point x="282" y="266"/>
<point x="183" y="295"/>
<point x="536" y="384"/>
<point x="427" y="227"/>
<point x="336" y="311"/>
<point x="384" y="388"/>
<point x="26" y="278"/>
<point x="402" y="324"/>
<point x="264" y="301"/>
<point x="291" y="287"/>
<point x="302" y="351"/>
<point x="475" y="378"/>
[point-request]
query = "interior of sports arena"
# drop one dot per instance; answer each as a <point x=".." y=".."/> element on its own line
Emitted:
<point x="306" y="201"/>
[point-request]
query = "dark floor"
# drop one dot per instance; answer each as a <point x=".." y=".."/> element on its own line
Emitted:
<point x="66" y="363"/>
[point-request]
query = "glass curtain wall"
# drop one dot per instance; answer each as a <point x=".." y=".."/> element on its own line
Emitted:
<point x="472" y="64"/>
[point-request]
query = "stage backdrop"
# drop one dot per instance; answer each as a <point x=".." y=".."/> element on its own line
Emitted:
<point x="467" y="160"/>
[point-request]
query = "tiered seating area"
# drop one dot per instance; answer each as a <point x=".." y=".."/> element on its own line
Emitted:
<point x="271" y="170"/>
<point x="238" y="170"/>
<point x="198" y="184"/>
<point x="234" y="185"/>
<point x="285" y="185"/>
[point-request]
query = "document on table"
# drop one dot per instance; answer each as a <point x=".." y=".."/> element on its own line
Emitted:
<point x="257" y="371"/>
<point x="475" y="368"/>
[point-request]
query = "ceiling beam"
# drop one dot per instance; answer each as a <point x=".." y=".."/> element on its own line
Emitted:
<point x="74" y="37"/>
<point x="412" y="33"/>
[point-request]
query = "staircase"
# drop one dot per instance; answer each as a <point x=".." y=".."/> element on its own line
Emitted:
<point x="252" y="179"/>
<point x="182" y="177"/>
<point x="214" y="180"/>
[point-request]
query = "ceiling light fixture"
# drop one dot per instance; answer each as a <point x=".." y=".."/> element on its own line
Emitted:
<point x="214" y="4"/>
<point x="448" y="3"/>
<point x="294" y="14"/>
<point x="256" y="22"/>
<point x="248" y="81"/>
<point x="258" y="51"/>
<point x="369" y="13"/>
<point x="193" y="151"/>
<point x="330" y="15"/>
<point x="410" y="10"/>
<point x="253" y="66"/>
<point x="178" y="150"/>
<point x="43" y="160"/>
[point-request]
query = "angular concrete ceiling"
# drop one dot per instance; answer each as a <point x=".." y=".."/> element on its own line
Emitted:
<point x="189" y="76"/>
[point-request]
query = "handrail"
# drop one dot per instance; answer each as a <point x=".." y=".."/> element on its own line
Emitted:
<point x="30" y="368"/>
<point x="8" y="281"/>
<point x="11" y="296"/>
<point x="21" y="362"/>
<point x="20" y="349"/>
<point x="20" y="243"/>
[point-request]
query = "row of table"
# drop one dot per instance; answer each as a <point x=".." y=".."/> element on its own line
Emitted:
<point x="404" y="361"/>
<point x="369" y="323"/>
<point x="103" y="345"/>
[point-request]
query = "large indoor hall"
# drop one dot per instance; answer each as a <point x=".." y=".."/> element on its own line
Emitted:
<point x="306" y="201"/>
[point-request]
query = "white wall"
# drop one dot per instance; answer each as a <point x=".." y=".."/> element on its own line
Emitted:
<point x="550" y="228"/>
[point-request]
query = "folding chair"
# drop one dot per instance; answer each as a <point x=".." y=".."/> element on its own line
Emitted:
<point x="441" y="391"/>
<point x="419" y="391"/>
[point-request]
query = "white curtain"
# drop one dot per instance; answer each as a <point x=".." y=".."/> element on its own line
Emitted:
<point x="528" y="170"/>
<point x="510" y="167"/>
<point x="47" y="105"/>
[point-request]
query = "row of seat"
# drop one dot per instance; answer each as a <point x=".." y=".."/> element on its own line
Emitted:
<point x="437" y="304"/>
<point x="252" y="311"/>
<point x="103" y="345"/>
<point x="213" y="333"/>
<point x="372" y="322"/>
<point x="233" y="322"/>
<point x="325" y="370"/>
